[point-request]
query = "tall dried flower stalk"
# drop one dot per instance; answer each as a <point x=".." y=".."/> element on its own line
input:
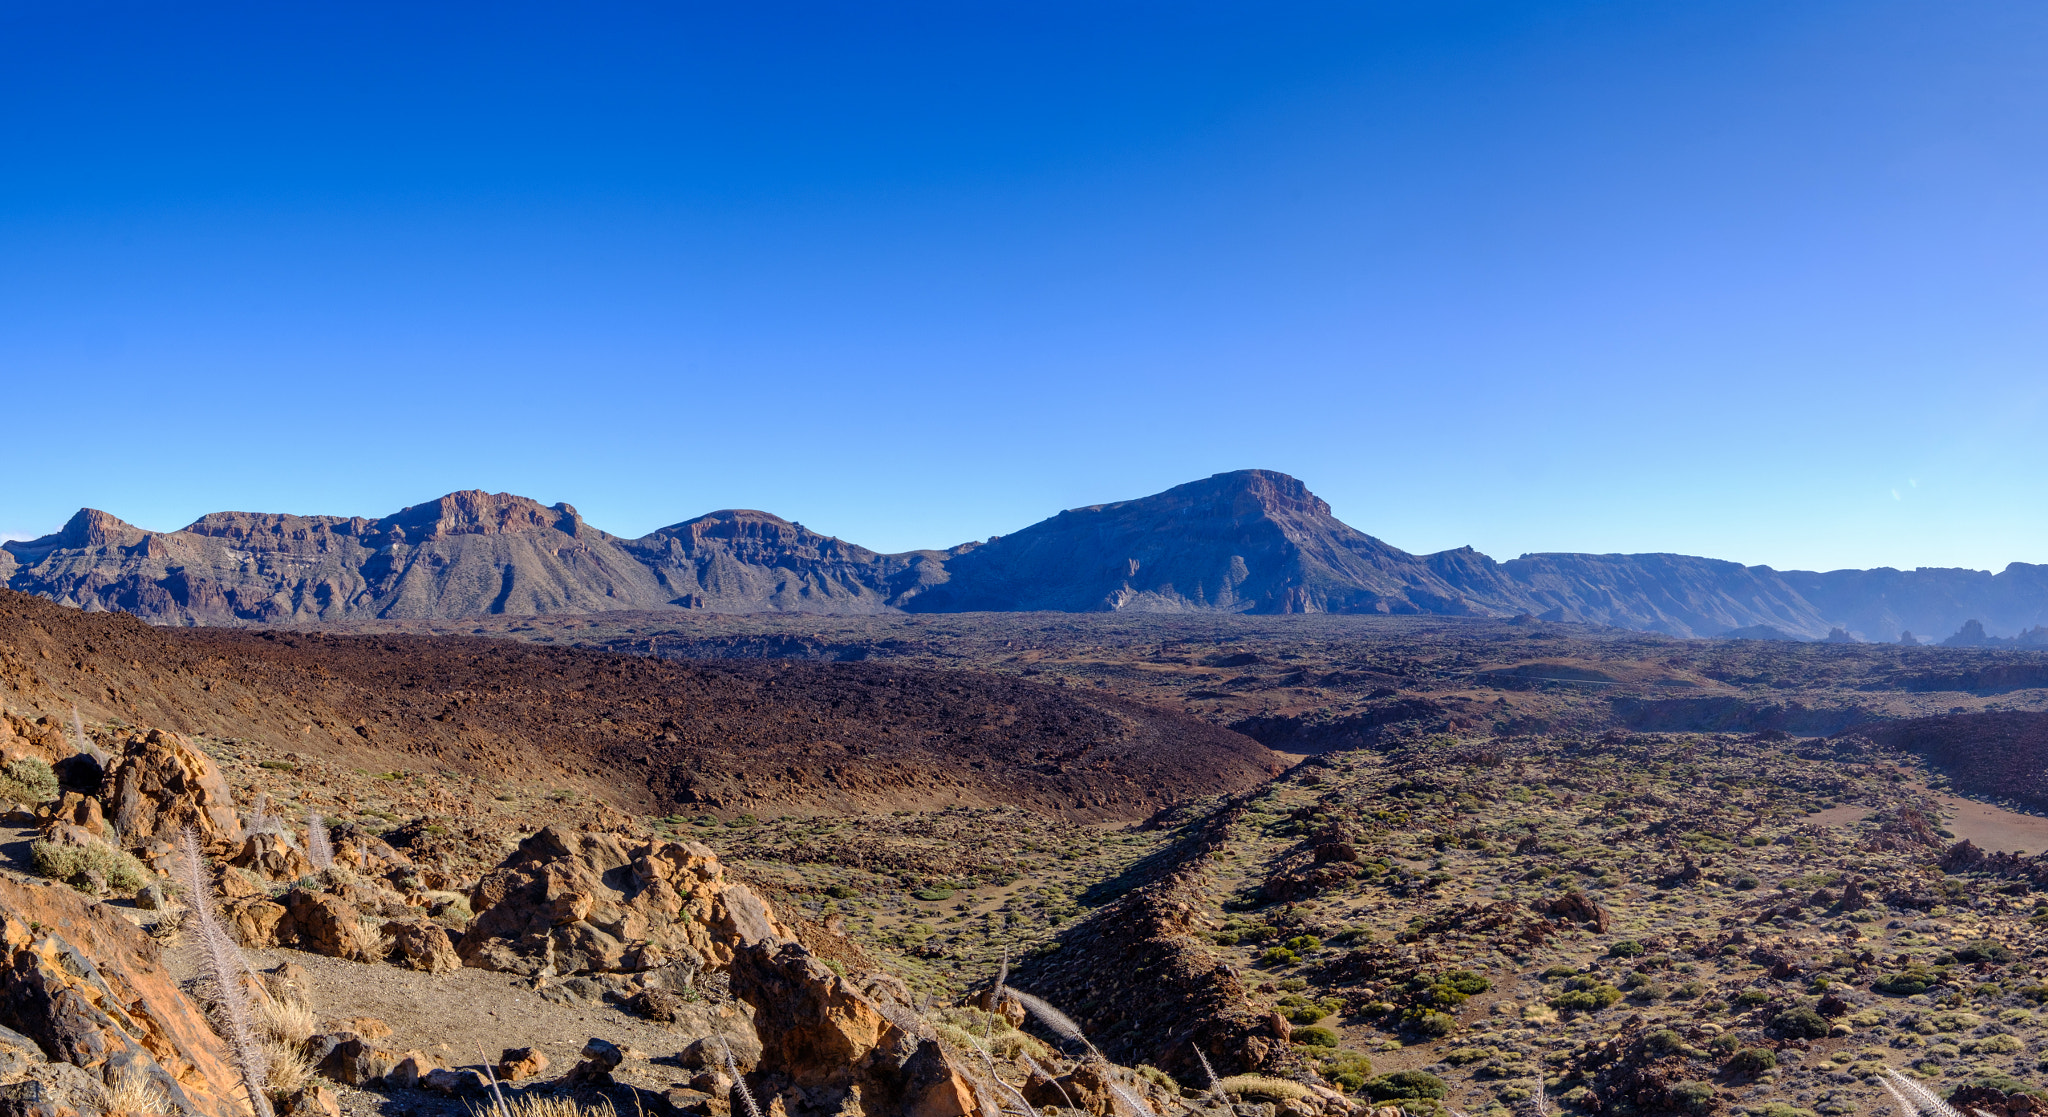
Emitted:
<point x="319" y="848"/>
<point x="221" y="965"/>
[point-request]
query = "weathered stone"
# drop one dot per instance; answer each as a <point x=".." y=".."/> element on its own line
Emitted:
<point x="162" y="784"/>
<point x="355" y="1062"/>
<point x="272" y="857"/>
<point x="326" y="924"/>
<point x="594" y="903"/>
<point x="420" y="945"/>
<point x="520" y="1063"/>
<point x="411" y="1067"/>
<point x="461" y="1083"/>
<point x="87" y="989"/>
<point x="312" y="1101"/>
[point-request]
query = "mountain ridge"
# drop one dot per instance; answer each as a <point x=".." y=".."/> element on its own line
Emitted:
<point x="1253" y="541"/>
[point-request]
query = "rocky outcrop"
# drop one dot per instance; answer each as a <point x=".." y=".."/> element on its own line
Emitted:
<point x="162" y="784"/>
<point x="574" y="902"/>
<point x="86" y="1003"/>
<point x="824" y="1041"/>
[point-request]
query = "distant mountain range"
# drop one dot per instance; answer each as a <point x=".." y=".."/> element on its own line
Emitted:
<point x="1253" y="541"/>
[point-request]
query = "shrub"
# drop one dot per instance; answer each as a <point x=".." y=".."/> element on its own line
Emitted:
<point x="1445" y="996"/>
<point x="121" y="871"/>
<point x="1984" y="950"/>
<point x="1688" y="991"/>
<point x="1752" y="1060"/>
<point x="1435" y="1024"/>
<point x="1406" y="1085"/>
<point x="842" y="892"/>
<point x="1744" y="883"/>
<point x="1750" y="998"/>
<point x="934" y="893"/>
<point x="1303" y="944"/>
<point x="1800" y="1023"/>
<point x="1313" y="1036"/>
<point x="2000" y="1045"/>
<point x="1278" y="956"/>
<point x="1696" y="1097"/>
<point x="28" y="780"/>
<point x="1347" y="1070"/>
<point x="1466" y="982"/>
<point x="1909" y="983"/>
<point x="1626" y="948"/>
<point x="1555" y="972"/>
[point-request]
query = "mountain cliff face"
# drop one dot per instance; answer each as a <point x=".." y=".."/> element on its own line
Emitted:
<point x="1252" y="541"/>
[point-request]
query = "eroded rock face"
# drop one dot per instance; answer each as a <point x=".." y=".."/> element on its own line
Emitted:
<point x="86" y="1001"/>
<point x="825" y="1041"/>
<point x="162" y="784"/>
<point x="273" y="857"/>
<point x="572" y="902"/>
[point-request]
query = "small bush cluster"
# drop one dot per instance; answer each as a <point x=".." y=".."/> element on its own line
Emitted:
<point x="27" y="780"/>
<point x="121" y="871"/>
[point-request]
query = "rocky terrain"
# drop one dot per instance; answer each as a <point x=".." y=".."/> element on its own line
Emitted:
<point x="1348" y="864"/>
<point x="1251" y="541"/>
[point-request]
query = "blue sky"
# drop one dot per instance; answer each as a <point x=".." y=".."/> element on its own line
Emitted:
<point x="1762" y="281"/>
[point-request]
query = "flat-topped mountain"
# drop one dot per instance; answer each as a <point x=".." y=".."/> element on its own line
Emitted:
<point x="1250" y="541"/>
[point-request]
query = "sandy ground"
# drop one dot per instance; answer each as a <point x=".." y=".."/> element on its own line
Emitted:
<point x="1992" y="828"/>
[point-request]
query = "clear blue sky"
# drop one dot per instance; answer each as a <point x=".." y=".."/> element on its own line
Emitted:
<point x="1762" y="281"/>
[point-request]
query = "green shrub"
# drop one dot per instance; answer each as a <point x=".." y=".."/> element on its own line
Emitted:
<point x="842" y="892"/>
<point x="1752" y="1060"/>
<point x="1278" y="956"/>
<point x="1984" y="950"/>
<point x="1433" y="1024"/>
<point x="122" y="872"/>
<point x="1406" y="1085"/>
<point x="1723" y="1044"/>
<point x="1912" y="981"/>
<point x="1744" y="883"/>
<point x="1303" y="944"/>
<point x="1444" y="996"/>
<point x="1347" y="1070"/>
<point x="27" y="780"/>
<point x="1626" y="948"/>
<point x="1313" y="1036"/>
<point x="1800" y="1023"/>
<point x="1555" y="972"/>
<point x="934" y="893"/>
<point x="1750" y="998"/>
<point x="1466" y="982"/>
<point x="1696" y="1097"/>
<point x="1688" y="991"/>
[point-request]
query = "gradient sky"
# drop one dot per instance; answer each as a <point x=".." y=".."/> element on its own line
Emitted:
<point x="1761" y="281"/>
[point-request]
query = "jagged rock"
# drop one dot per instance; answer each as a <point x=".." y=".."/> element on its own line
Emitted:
<point x="81" y="811"/>
<point x="312" y="1101"/>
<point x="254" y="921"/>
<point x="87" y="994"/>
<point x="51" y="1090"/>
<point x="324" y="923"/>
<point x="577" y="902"/>
<point x="353" y="1061"/>
<point x="824" y="1039"/>
<point x="411" y="1067"/>
<point x="273" y="857"/>
<point x="461" y="1083"/>
<point x="162" y="784"/>
<point x="420" y="945"/>
<point x="1575" y="907"/>
<point x="520" y="1063"/>
<point x="718" y="1028"/>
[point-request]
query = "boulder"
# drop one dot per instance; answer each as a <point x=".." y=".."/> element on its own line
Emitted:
<point x="520" y="1063"/>
<point x="570" y="902"/>
<point x="85" y="998"/>
<point x="829" y="1042"/>
<point x="272" y="856"/>
<point x="81" y="811"/>
<point x="312" y="1101"/>
<point x="420" y="945"/>
<point x="465" y="1083"/>
<point x="324" y="923"/>
<point x="352" y="1060"/>
<point x="162" y="784"/>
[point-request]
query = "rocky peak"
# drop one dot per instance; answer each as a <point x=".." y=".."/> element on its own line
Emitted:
<point x="475" y="512"/>
<point x="91" y="529"/>
<point x="755" y="531"/>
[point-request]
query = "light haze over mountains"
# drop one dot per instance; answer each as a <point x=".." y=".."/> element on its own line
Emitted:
<point x="1251" y="541"/>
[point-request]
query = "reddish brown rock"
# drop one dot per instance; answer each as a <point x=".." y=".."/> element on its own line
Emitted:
<point x="518" y="1063"/>
<point x="273" y="857"/>
<point x="420" y="945"/>
<point x="91" y="992"/>
<point x="594" y="903"/>
<point x="162" y="784"/>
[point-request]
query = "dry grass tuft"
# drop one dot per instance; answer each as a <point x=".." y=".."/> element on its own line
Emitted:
<point x="1258" y="1085"/>
<point x="532" y="1106"/>
<point x="136" y="1096"/>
